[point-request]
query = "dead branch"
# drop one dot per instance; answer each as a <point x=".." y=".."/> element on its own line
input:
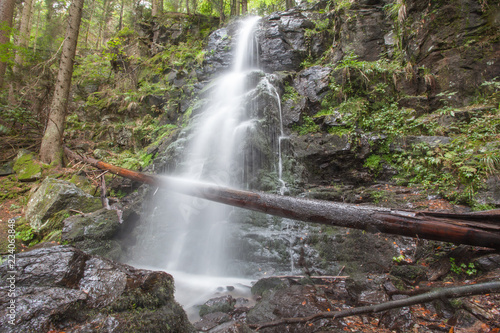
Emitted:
<point x="453" y="292"/>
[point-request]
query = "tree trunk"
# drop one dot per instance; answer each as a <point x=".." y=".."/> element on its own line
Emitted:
<point x="102" y="23"/>
<point x="289" y="4"/>
<point x="6" y="14"/>
<point x="154" y="8"/>
<point x="89" y="24"/>
<point x="37" y="28"/>
<point x="458" y="230"/>
<point x="244" y="7"/>
<point x="187" y="7"/>
<point x="222" y="16"/>
<point x="51" y="147"/>
<point x="24" y="34"/>
<point x="235" y="10"/>
<point x="120" y="22"/>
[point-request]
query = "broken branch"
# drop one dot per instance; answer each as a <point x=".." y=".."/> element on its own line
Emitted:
<point x="454" y="292"/>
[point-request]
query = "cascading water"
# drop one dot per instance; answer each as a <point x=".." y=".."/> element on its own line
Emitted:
<point x="211" y="156"/>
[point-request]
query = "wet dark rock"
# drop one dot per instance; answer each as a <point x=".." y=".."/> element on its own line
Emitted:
<point x="313" y="82"/>
<point x="220" y="304"/>
<point x="420" y="104"/>
<point x="232" y="327"/>
<point x="363" y="33"/>
<point x="442" y="45"/>
<point x="489" y="262"/>
<point x="267" y="284"/>
<point x="293" y="109"/>
<point x="62" y="288"/>
<point x="409" y="272"/>
<point x="366" y="289"/>
<point x="491" y="195"/>
<point x="211" y="320"/>
<point x="7" y="169"/>
<point x="94" y="232"/>
<point x="325" y="156"/>
<point x="282" y="42"/>
<point x="218" y="51"/>
<point x="295" y="301"/>
<point x="123" y="137"/>
<point x="398" y="319"/>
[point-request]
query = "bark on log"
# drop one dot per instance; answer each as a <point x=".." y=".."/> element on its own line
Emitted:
<point x="453" y="292"/>
<point x="371" y="219"/>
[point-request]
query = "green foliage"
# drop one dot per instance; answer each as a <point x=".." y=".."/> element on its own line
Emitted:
<point x="16" y="118"/>
<point x="93" y="69"/>
<point x="399" y="258"/>
<point x="493" y="88"/>
<point x="469" y="269"/>
<point x="373" y="162"/>
<point x="27" y="236"/>
<point x="308" y="126"/>
<point x="290" y="94"/>
<point x="343" y="4"/>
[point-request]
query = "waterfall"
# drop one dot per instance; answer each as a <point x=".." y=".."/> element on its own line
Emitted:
<point x="235" y="140"/>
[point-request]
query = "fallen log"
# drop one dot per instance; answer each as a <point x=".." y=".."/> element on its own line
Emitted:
<point x="446" y="228"/>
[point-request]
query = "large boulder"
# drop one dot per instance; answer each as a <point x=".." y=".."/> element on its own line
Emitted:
<point x="61" y="288"/>
<point x="94" y="232"/>
<point x="53" y="196"/>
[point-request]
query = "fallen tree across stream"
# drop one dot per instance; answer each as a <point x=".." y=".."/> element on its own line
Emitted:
<point x="478" y="229"/>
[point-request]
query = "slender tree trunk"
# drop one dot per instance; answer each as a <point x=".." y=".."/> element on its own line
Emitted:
<point x="36" y="29"/>
<point x="187" y="7"/>
<point x="244" y="7"/>
<point x="51" y="147"/>
<point x="24" y="35"/>
<point x="102" y="23"/>
<point x="289" y="4"/>
<point x="108" y="15"/>
<point x="154" y="8"/>
<point x="6" y="14"/>
<point x="222" y="17"/>
<point x="120" y="22"/>
<point x="89" y="24"/>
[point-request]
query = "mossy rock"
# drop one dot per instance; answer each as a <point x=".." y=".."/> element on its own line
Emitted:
<point x="83" y="183"/>
<point x="26" y="168"/>
<point x="408" y="272"/>
<point x="52" y="197"/>
<point x="93" y="233"/>
<point x="267" y="284"/>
